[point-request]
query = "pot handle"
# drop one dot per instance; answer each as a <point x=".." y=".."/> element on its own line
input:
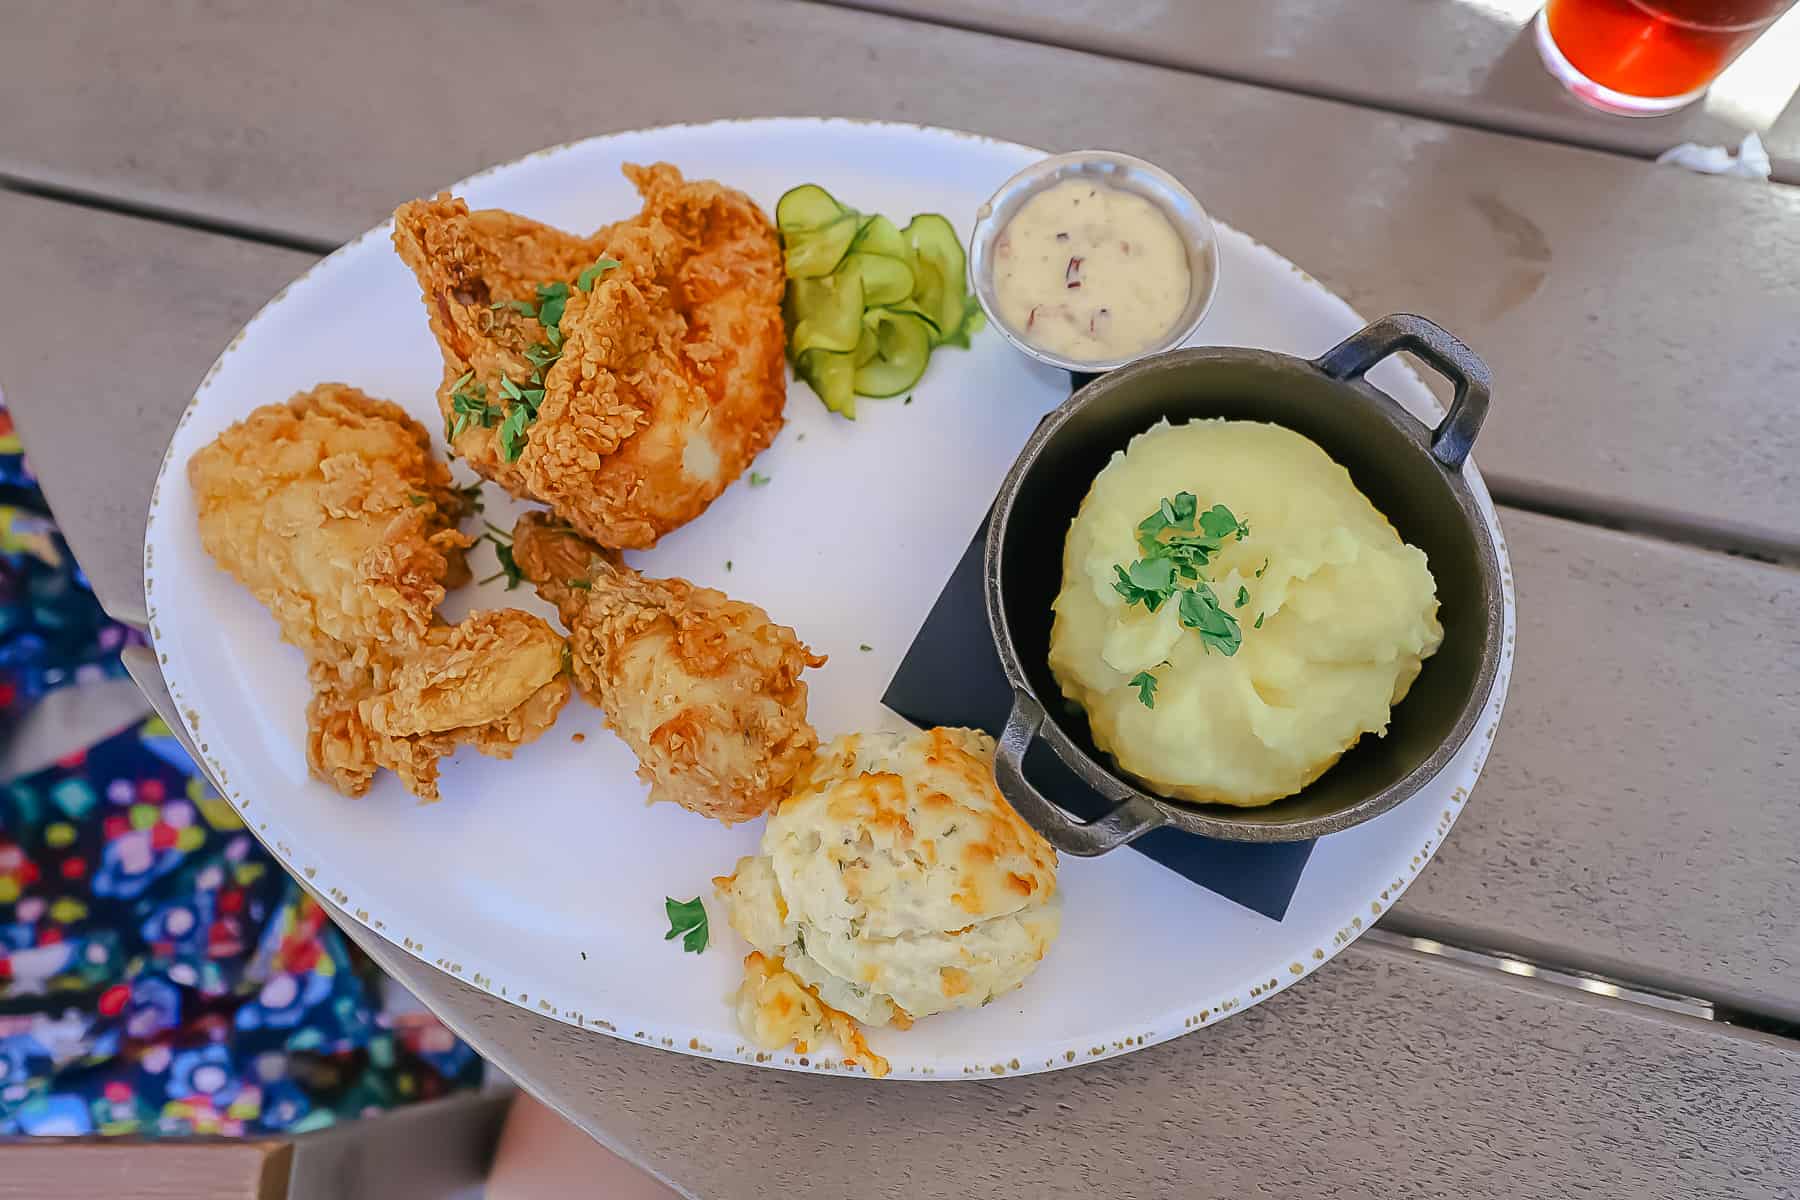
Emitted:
<point x="1128" y="820"/>
<point x="1454" y="437"/>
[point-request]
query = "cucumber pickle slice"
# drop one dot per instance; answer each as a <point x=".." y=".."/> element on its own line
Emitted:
<point x="940" y="273"/>
<point x="832" y="376"/>
<point x="892" y="352"/>
<point x="827" y="313"/>
<point x="884" y="280"/>
<point x="806" y="208"/>
<point x="866" y="300"/>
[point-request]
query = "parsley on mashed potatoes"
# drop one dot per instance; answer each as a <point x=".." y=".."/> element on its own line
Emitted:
<point x="1336" y="616"/>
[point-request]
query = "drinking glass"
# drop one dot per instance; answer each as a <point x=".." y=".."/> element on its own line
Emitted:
<point x="1646" y="57"/>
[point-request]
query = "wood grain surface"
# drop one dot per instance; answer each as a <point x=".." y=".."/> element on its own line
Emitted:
<point x="59" y="1169"/>
<point x="1633" y="818"/>
<point x="1638" y="319"/>
<point x="1387" y="1074"/>
<point x="1470" y="61"/>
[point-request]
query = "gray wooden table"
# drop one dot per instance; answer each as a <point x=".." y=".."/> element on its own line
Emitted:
<point x="1472" y="62"/>
<point x="170" y="171"/>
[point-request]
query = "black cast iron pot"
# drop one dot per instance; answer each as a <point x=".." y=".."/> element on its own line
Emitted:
<point x="1412" y="473"/>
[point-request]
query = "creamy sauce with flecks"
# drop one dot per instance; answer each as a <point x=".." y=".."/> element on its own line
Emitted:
<point x="1090" y="272"/>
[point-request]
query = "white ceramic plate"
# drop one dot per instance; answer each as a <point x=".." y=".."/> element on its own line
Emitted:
<point x="542" y="880"/>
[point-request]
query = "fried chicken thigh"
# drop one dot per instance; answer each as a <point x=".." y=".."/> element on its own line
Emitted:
<point x="706" y="690"/>
<point x="333" y="512"/>
<point x="648" y="390"/>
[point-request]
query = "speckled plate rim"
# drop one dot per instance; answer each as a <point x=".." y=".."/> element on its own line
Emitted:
<point x="1353" y="919"/>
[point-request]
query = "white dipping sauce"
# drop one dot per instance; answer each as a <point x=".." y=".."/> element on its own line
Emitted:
<point x="1090" y="272"/>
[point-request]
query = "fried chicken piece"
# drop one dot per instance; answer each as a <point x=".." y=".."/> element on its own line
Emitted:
<point x="476" y="270"/>
<point x="333" y="512"/>
<point x="706" y="690"/>
<point x="667" y="376"/>
<point x="495" y="681"/>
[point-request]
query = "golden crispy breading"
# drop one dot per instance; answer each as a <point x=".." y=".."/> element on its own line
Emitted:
<point x="331" y="509"/>
<point x="466" y="675"/>
<point x="720" y="379"/>
<point x="495" y="681"/>
<point x="333" y="512"/>
<point x="670" y="378"/>
<point x="706" y="690"/>
<point x="471" y="266"/>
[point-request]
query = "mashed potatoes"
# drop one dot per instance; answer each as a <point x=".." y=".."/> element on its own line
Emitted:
<point x="1347" y="612"/>
<point x="895" y="882"/>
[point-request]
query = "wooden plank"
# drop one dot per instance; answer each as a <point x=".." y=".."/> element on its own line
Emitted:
<point x="55" y="1169"/>
<point x="1635" y="815"/>
<point x="1604" y="825"/>
<point x="1638" y="318"/>
<point x="96" y="390"/>
<point x="1472" y="63"/>
<point x="1389" y="1073"/>
<point x="1301" y="1096"/>
<point x="433" y="1150"/>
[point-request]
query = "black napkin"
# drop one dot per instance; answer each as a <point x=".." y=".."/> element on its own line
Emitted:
<point x="951" y="676"/>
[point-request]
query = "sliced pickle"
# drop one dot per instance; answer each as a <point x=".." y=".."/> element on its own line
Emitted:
<point x="866" y="300"/>
<point x="815" y="252"/>
<point x="826" y="313"/>
<point x="884" y="280"/>
<point x="939" y="273"/>
<point x="879" y="235"/>
<point x="832" y="376"/>
<point x="806" y="208"/>
<point x="892" y="353"/>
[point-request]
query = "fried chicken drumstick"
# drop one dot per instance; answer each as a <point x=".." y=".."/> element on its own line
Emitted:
<point x="706" y="690"/>
<point x="333" y="512"/>
<point x="624" y="379"/>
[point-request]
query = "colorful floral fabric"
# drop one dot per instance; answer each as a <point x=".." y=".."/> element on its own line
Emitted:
<point x="159" y="972"/>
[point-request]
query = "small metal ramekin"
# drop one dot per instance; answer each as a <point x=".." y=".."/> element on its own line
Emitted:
<point x="1116" y="170"/>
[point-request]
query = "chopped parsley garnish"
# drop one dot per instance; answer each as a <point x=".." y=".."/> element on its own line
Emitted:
<point x="586" y="280"/>
<point x="908" y="400"/>
<point x="1258" y="625"/>
<point x="1178" y="541"/>
<point x="1200" y="611"/>
<point x="471" y="495"/>
<point x="503" y="554"/>
<point x="1261" y="569"/>
<point x="728" y="564"/>
<point x="512" y="432"/>
<point x="758" y="479"/>
<point x="1148" y="581"/>
<point x="687" y="921"/>
<point x="581" y="584"/>
<point x="528" y="396"/>
<point x="551" y="299"/>
<point x="414" y="499"/>
<point x="469" y="406"/>
<point x="865" y="647"/>
<point x="521" y="402"/>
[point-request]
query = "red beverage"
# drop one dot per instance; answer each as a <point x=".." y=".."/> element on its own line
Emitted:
<point x="1647" y="56"/>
